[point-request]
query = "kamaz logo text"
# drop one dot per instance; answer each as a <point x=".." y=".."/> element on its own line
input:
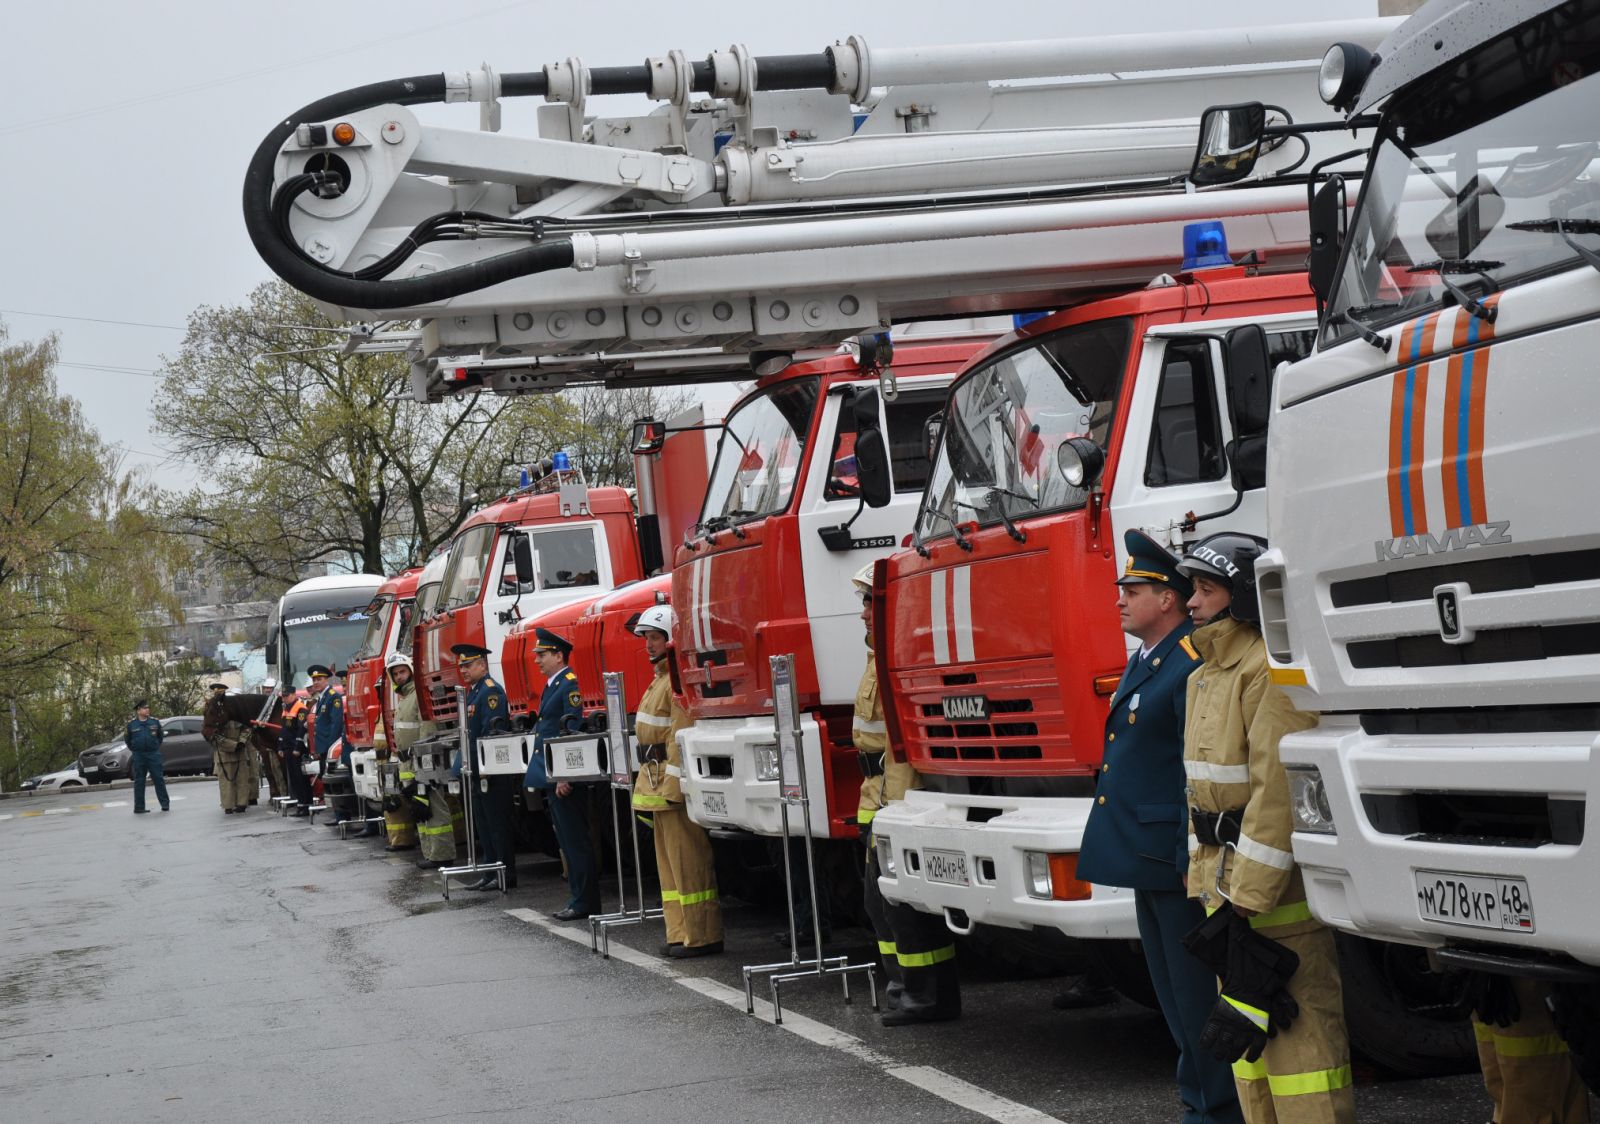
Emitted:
<point x="964" y="707"/>
<point x="1456" y="538"/>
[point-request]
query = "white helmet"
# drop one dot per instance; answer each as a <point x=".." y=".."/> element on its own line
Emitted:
<point x="863" y="580"/>
<point x="656" y="618"/>
<point x="397" y="659"/>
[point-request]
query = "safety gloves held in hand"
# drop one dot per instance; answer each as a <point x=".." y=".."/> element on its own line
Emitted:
<point x="1255" y="1003"/>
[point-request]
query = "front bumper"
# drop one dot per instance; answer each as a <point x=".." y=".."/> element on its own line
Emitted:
<point x="722" y="789"/>
<point x="1364" y="880"/>
<point x="364" y="775"/>
<point x="996" y="860"/>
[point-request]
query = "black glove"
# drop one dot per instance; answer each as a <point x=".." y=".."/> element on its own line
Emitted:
<point x="1255" y="1003"/>
<point x="409" y="790"/>
<point x="1492" y="999"/>
<point x="1207" y="942"/>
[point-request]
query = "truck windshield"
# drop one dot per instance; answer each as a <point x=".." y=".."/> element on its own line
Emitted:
<point x="760" y="455"/>
<point x="997" y="448"/>
<point x="1478" y="183"/>
<point x="377" y="625"/>
<point x="469" y="558"/>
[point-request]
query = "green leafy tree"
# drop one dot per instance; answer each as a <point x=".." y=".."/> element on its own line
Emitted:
<point x="81" y="557"/>
<point x="97" y="707"/>
<point x="312" y="455"/>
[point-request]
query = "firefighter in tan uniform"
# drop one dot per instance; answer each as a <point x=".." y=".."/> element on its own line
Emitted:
<point x="1279" y="1016"/>
<point x="399" y="809"/>
<point x="1527" y="1067"/>
<point x="919" y="955"/>
<point x="683" y="849"/>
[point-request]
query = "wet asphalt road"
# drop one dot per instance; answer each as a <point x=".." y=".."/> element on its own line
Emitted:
<point x="190" y="966"/>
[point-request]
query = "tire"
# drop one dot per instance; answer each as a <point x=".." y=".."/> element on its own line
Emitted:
<point x="1400" y="1015"/>
<point x="1576" y="1010"/>
<point x="72" y="784"/>
<point x="1124" y="964"/>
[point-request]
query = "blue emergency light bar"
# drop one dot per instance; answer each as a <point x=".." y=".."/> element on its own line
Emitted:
<point x="1205" y="246"/>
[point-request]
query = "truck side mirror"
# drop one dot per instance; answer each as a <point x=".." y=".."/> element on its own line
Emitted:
<point x="932" y="433"/>
<point x="1230" y="143"/>
<point x="1249" y="382"/>
<point x="872" y="451"/>
<point x="1327" y="236"/>
<point x="522" y="555"/>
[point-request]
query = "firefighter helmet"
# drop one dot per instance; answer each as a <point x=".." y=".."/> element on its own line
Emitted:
<point x="862" y="580"/>
<point x="657" y="618"/>
<point x="1229" y="557"/>
<point x="397" y="659"/>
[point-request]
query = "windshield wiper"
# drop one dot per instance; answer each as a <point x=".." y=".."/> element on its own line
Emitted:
<point x="1566" y="228"/>
<point x="1349" y="316"/>
<point x="1445" y="266"/>
<point x="1011" y="528"/>
<point x="1372" y="309"/>
<point x="955" y="529"/>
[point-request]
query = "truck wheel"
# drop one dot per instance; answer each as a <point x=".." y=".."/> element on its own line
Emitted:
<point x="1576" y="1010"/>
<point x="1123" y="963"/>
<point x="1024" y="953"/>
<point x="1399" y="1014"/>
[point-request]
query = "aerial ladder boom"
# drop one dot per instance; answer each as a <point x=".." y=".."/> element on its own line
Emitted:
<point x="805" y="199"/>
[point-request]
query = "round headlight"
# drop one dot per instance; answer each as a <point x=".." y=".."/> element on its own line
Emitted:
<point x="1343" y="72"/>
<point x="1080" y="461"/>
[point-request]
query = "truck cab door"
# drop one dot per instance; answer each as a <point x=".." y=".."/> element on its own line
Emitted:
<point x="1174" y="456"/>
<point x="831" y="499"/>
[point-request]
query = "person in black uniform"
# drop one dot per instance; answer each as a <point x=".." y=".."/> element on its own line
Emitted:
<point x="1138" y="823"/>
<point x="492" y="797"/>
<point x="292" y="747"/>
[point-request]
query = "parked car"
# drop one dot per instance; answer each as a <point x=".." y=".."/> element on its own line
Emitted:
<point x="53" y="782"/>
<point x="182" y="751"/>
<point x="31" y="783"/>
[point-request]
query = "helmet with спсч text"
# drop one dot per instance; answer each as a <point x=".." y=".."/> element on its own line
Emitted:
<point x="1229" y="557"/>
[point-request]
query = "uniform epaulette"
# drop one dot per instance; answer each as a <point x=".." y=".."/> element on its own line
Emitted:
<point x="1188" y="646"/>
<point x="570" y="674"/>
<point x="487" y="681"/>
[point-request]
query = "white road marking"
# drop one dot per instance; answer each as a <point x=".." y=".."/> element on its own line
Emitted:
<point x="936" y="1082"/>
<point x="7" y="816"/>
<point x="116" y="804"/>
<point x="56" y="811"/>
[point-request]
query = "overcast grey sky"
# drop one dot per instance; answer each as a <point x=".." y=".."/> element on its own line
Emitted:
<point x="125" y="128"/>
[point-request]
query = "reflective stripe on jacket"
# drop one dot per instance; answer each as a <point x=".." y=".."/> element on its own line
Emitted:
<point x="1234" y="720"/>
<point x="871" y="735"/>
<point x="657" y="721"/>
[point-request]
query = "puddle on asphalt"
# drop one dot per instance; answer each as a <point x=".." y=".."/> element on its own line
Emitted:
<point x="50" y="976"/>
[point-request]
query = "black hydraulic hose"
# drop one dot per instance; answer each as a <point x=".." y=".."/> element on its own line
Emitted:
<point x="266" y="216"/>
<point x="286" y="259"/>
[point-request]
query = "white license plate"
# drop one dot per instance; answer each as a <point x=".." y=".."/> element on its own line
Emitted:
<point x="502" y="755"/>
<point x="1475" y="900"/>
<point x="574" y="758"/>
<point x="949" y="867"/>
<point x="714" y="804"/>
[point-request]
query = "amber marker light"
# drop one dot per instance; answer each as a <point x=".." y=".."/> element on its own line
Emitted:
<point x="344" y="133"/>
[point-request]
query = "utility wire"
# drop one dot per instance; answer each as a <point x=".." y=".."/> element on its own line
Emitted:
<point x="89" y="319"/>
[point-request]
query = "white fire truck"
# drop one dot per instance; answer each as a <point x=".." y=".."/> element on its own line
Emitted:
<point x="1433" y="586"/>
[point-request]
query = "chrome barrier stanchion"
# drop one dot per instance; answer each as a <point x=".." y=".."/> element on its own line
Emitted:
<point x="792" y="792"/>
<point x="619" y="759"/>
<point x="469" y="785"/>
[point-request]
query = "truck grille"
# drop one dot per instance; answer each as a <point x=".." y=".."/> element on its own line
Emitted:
<point x="1497" y="645"/>
<point x="1008" y="734"/>
<point x="1490" y="575"/>
<point x="1494" y="819"/>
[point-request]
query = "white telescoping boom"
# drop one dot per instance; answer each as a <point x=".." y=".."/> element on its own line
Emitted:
<point x="808" y="198"/>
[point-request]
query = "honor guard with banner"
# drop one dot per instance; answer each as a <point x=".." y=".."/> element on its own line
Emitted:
<point x="560" y="711"/>
<point x="393" y="751"/>
<point x="688" y="874"/>
<point x="493" y="797"/>
<point x="1279" y="1017"/>
<point x="231" y="752"/>
<point x="918" y="951"/>
<point x="1138" y="823"/>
